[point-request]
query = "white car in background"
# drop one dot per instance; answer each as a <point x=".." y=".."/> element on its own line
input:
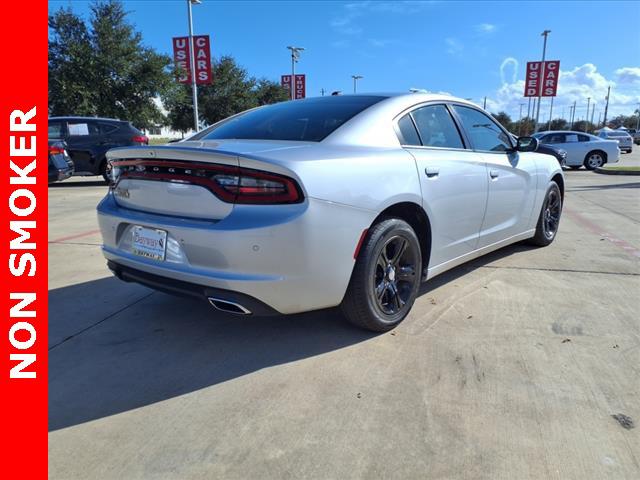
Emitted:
<point x="623" y="138"/>
<point x="582" y="148"/>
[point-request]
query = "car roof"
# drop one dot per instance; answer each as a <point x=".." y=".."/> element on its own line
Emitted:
<point x="101" y="119"/>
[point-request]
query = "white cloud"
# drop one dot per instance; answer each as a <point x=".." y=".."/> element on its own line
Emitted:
<point x="485" y="28"/>
<point x="574" y="85"/>
<point x="454" y="46"/>
<point x="629" y="75"/>
<point x="344" y="23"/>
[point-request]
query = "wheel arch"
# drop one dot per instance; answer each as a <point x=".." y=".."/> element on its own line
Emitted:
<point x="417" y="218"/>
<point x="559" y="179"/>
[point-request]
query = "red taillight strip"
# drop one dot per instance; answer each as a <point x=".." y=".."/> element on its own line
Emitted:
<point x="291" y="195"/>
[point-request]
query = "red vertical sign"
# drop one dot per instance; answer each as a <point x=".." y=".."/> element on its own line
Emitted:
<point x="300" y="85"/>
<point x="202" y="59"/>
<point x="532" y="79"/>
<point x="551" y="74"/>
<point x="538" y="77"/>
<point x="23" y="145"/>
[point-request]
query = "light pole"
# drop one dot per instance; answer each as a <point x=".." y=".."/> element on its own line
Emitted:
<point x="295" y="56"/>
<point x="586" y="119"/>
<point x="192" y="62"/>
<point x="355" y="81"/>
<point x="606" y="107"/>
<point x="520" y="120"/>
<point x="544" y="52"/>
<point x="638" y="121"/>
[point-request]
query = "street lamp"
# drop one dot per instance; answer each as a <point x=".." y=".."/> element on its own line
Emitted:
<point x="192" y="62"/>
<point x="355" y="81"/>
<point x="295" y="56"/>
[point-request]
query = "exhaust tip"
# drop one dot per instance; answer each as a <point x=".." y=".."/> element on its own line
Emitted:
<point x="228" y="307"/>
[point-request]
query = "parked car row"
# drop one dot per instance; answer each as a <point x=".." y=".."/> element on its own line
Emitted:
<point x="625" y="141"/>
<point x="88" y="139"/>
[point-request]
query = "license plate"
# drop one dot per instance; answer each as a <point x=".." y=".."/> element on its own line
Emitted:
<point x="149" y="242"/>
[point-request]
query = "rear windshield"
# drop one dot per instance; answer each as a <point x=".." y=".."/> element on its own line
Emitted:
<point x="309" y="120"/>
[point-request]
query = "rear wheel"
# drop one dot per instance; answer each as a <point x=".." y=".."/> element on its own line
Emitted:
<point x="594" y="160"/>
<point x="386" y="277"/>
<point x="549" y="219"/>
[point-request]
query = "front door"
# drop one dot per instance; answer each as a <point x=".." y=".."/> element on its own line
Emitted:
<point x="512" y="184"/>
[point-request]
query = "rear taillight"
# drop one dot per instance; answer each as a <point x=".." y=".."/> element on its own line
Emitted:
<point x="55" y="150"/>
<point x="140" y="139"/>
<point x="254" y="186"/>
<point x="230" y="184"/>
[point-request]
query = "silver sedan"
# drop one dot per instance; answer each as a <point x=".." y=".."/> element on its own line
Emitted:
<point x="343" y="200"/>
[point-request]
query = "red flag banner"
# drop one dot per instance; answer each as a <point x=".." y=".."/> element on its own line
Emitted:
<point x="551" y="74"/>
<point x="300" y="85"/>
<point x="202" y="59"/>
<point x="538" y="78"/>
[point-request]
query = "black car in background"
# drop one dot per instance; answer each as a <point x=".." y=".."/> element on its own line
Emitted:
<point x="89" y="138"/>
<point x="559" y="153"/>
<point x="60" y="164"/>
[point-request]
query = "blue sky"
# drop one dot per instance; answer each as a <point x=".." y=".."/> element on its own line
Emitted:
<point x="468" y="49"/>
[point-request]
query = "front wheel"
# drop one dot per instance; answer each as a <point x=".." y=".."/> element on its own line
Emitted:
<point x="549" y="219"/>
<point x="386" y="277"/>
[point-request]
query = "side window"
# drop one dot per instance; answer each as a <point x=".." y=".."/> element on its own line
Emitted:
<point x="485" y="134"/>
<point x="78" y="129"/>
<point x="571" y="138"/>
<point x="583" y="138"/>
<point x="408" y="134"/>
<point x="436" y="127"/>
<point x="55" y="130"/>
<point x="106" y="128"/>
<point x="554" y="138"/>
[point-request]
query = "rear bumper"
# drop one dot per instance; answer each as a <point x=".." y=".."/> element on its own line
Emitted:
<point x="291" y="258"/>
<point x="177" y="287"/>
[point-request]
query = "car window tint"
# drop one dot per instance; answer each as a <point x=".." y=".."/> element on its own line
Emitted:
<point x="55" y="130"/>
<point x="484" y="133"/>
<point x="106" y="128"/>
<point x="570" y="138"/>
<point x="583" y="138"/>
<point x="309" y="120"/>
<point x="436" y="127"/>
<point x="408" y="134"/>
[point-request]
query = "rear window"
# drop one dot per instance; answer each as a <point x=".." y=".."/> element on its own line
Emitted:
<point x="309" y="120"/>
<point x="617" y="134"/>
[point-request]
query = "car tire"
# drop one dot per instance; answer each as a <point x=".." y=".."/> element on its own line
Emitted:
<point x="595" y="159"/>
<point x="386" y="277"/>
<point x="549" y="219"/>
<point x="104" y="171"/>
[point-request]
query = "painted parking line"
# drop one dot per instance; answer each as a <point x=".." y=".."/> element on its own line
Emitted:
<point x="594" y="228"/>
<point x="73" y="237"/>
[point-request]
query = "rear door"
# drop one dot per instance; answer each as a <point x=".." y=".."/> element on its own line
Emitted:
<point x="510" y="174"/>
<point x="83" y="144"/>
<point x="453" y="180"/>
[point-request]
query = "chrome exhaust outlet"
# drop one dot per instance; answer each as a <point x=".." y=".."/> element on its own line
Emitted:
<point x="228" y="307"/>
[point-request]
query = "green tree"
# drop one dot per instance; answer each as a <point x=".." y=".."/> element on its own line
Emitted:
<point x="103" y="68"/>
<point x="268" y="92"/>
<point x="583" y="126"/>
<point x="504" y="119"/>
<point x="523" y="127"/>
<point x="233" y="90"/>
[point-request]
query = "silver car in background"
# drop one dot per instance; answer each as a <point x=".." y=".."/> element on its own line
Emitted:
<point x="582" y="148"/>
<point x="346" y="201"/>
<point x="625" y="141"/>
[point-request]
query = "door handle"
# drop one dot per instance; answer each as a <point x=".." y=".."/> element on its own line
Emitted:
<point x="494" y="174"/>
<point x="432" y="172"/>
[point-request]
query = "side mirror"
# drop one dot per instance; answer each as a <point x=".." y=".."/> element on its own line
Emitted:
<point x="527" y="144"/>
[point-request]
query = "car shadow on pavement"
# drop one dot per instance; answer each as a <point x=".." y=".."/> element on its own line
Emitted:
<point x="159" y="347"/>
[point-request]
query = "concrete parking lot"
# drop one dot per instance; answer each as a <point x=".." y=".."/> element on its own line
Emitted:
<point x="524" y="364"/>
